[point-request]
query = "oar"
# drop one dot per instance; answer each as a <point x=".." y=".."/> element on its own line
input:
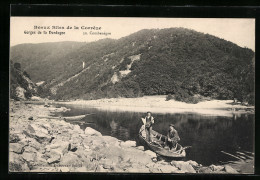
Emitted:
<point x="186" y="147"/>
<point x="231" y="155"/>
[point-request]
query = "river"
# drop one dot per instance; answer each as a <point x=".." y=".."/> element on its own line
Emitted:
<point x="212" y="137"/>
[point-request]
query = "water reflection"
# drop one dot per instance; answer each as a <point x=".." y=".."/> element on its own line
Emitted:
<point x="208" y="135"/>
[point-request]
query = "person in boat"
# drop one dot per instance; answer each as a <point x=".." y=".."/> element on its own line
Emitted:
<point x="149" y="121"/>
<point x="172" y="137"/>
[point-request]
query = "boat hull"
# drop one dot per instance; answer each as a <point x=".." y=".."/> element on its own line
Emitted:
<point x="74" y="118"/>
<point x="181" y="153"/>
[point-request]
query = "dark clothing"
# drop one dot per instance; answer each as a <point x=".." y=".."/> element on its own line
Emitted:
<point x="148" y="122"/>
<point x="148" y="127"/>
<point x="148" y="133"/>
<point x="174" y="137"/>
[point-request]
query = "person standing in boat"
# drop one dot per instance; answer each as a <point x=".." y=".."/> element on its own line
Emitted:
<point x="172" y="137"/>
<point x="148" y="122"/>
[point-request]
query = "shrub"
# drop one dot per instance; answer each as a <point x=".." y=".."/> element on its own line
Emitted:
<point x="169" y="97"/>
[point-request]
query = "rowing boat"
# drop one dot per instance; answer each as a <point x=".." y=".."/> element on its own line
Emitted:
<point x="74" y="118"/>
<point x="157" y="145"/>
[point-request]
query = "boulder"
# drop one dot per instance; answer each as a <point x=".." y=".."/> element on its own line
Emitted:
<point x="110" y="140"/>
<point x="185" y="167"/>
<point x="38" y="133"/>
<point x="140" y="148"/>
<point x="63" y="169"/>
<point x="154" y="170"/>
<point x="70" y="158"/>
<point x="30" y="118"/>
<point x="205" y="170"/>
<point x="84" y="169"/>
<point x="60" y="146"/>
<point x="16" y="147"/>
<point x="73" y="146"/>
<point x="138" y="170"/>
<point x="38" y="128"/>
<point x="77" y="128"/>
<point x="16" y="164"/>
<point x="29" y="156"/>
<point x="14" y="138"/>
<point x="30" y="149"/>
<point x="54" y="156"/>
<point x="166" y="168"/>
<point x="163" y="162"/>
<point x="193" y="163"/>
<point x="92" y="132"/>
<point x="230" y="170"/>
<point x="98" y="142"/>
<point x="33" y="143"/>
<point x="150" y="153"/>
<point x="216" y="168"/>
<point x="128" y="144"/>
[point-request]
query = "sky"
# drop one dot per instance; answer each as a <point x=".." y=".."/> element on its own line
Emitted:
<point x="236" y="30"/>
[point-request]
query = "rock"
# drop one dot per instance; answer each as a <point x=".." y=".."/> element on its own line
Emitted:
<point x="30" y="149"/>
<point x="193" y="163"/>
<point x="63" y="169"/>
<point x="230" y="170"/>
<point x="86" y="148"/>
<point x="127" y="144"/>
<point x="216" y="168"/>
<point x="59" y="146"/>
<point x="183" y="166"/>
<point x="166" y="168"/>
<point x="30" y="118"/>
<point x="16" y="164"/>
<point x="14" y="138"/>
<point x="36" y="98"/>
<point x="77" y="128"/>
<point x="150" y="153"/>
<point x="70" y="158"/>
<point x="29" y="156"/>
<point x="55" y="159"/>
<point x="37" y="128"/>
<point x="205" y="170"/>
<point x="98" y="142"/>
<point x="138" y="170"/>
<point x="84" y="169"/>
<point x="38" y="133"/>
<point x="92" y="132"/>
<point x="110" y="140"/>
<point x="154" y="170"/>
<point x="16" y="147"/>
<point x="54" y="155"/>
<point x="154" y="159"/>
<point x="163" y="163"/>
<point x="33" y="143"/>
<point x="140" y="148"/>
<point x="73" y="147"/>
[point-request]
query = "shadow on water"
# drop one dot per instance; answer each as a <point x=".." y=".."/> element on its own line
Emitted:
<point x="208" y="135"/>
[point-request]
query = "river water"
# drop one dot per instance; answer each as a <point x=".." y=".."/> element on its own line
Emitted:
<point x="209" y="136"/>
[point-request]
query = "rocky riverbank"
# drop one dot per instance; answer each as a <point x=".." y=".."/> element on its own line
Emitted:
<point x="53" y="145"/>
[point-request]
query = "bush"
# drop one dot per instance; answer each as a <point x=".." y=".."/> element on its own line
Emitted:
<point x="184" y="96"/>
<point x="169" y="97"/>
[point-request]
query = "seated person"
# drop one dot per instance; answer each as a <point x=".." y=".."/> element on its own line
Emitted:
<point x="172" y="137"/>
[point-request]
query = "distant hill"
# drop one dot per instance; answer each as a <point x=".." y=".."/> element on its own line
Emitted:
<point x="21" y="86"/>
<point x="45" y="61"/>
<point x="174" y="61"/>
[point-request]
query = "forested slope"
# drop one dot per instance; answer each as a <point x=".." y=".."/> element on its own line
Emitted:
<point x="174" y="61"/>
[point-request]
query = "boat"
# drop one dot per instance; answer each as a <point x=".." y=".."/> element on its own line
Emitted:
<point x="157" y="145"/>
<point x="74" y="118"/>
<point x="69" y="118"/>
